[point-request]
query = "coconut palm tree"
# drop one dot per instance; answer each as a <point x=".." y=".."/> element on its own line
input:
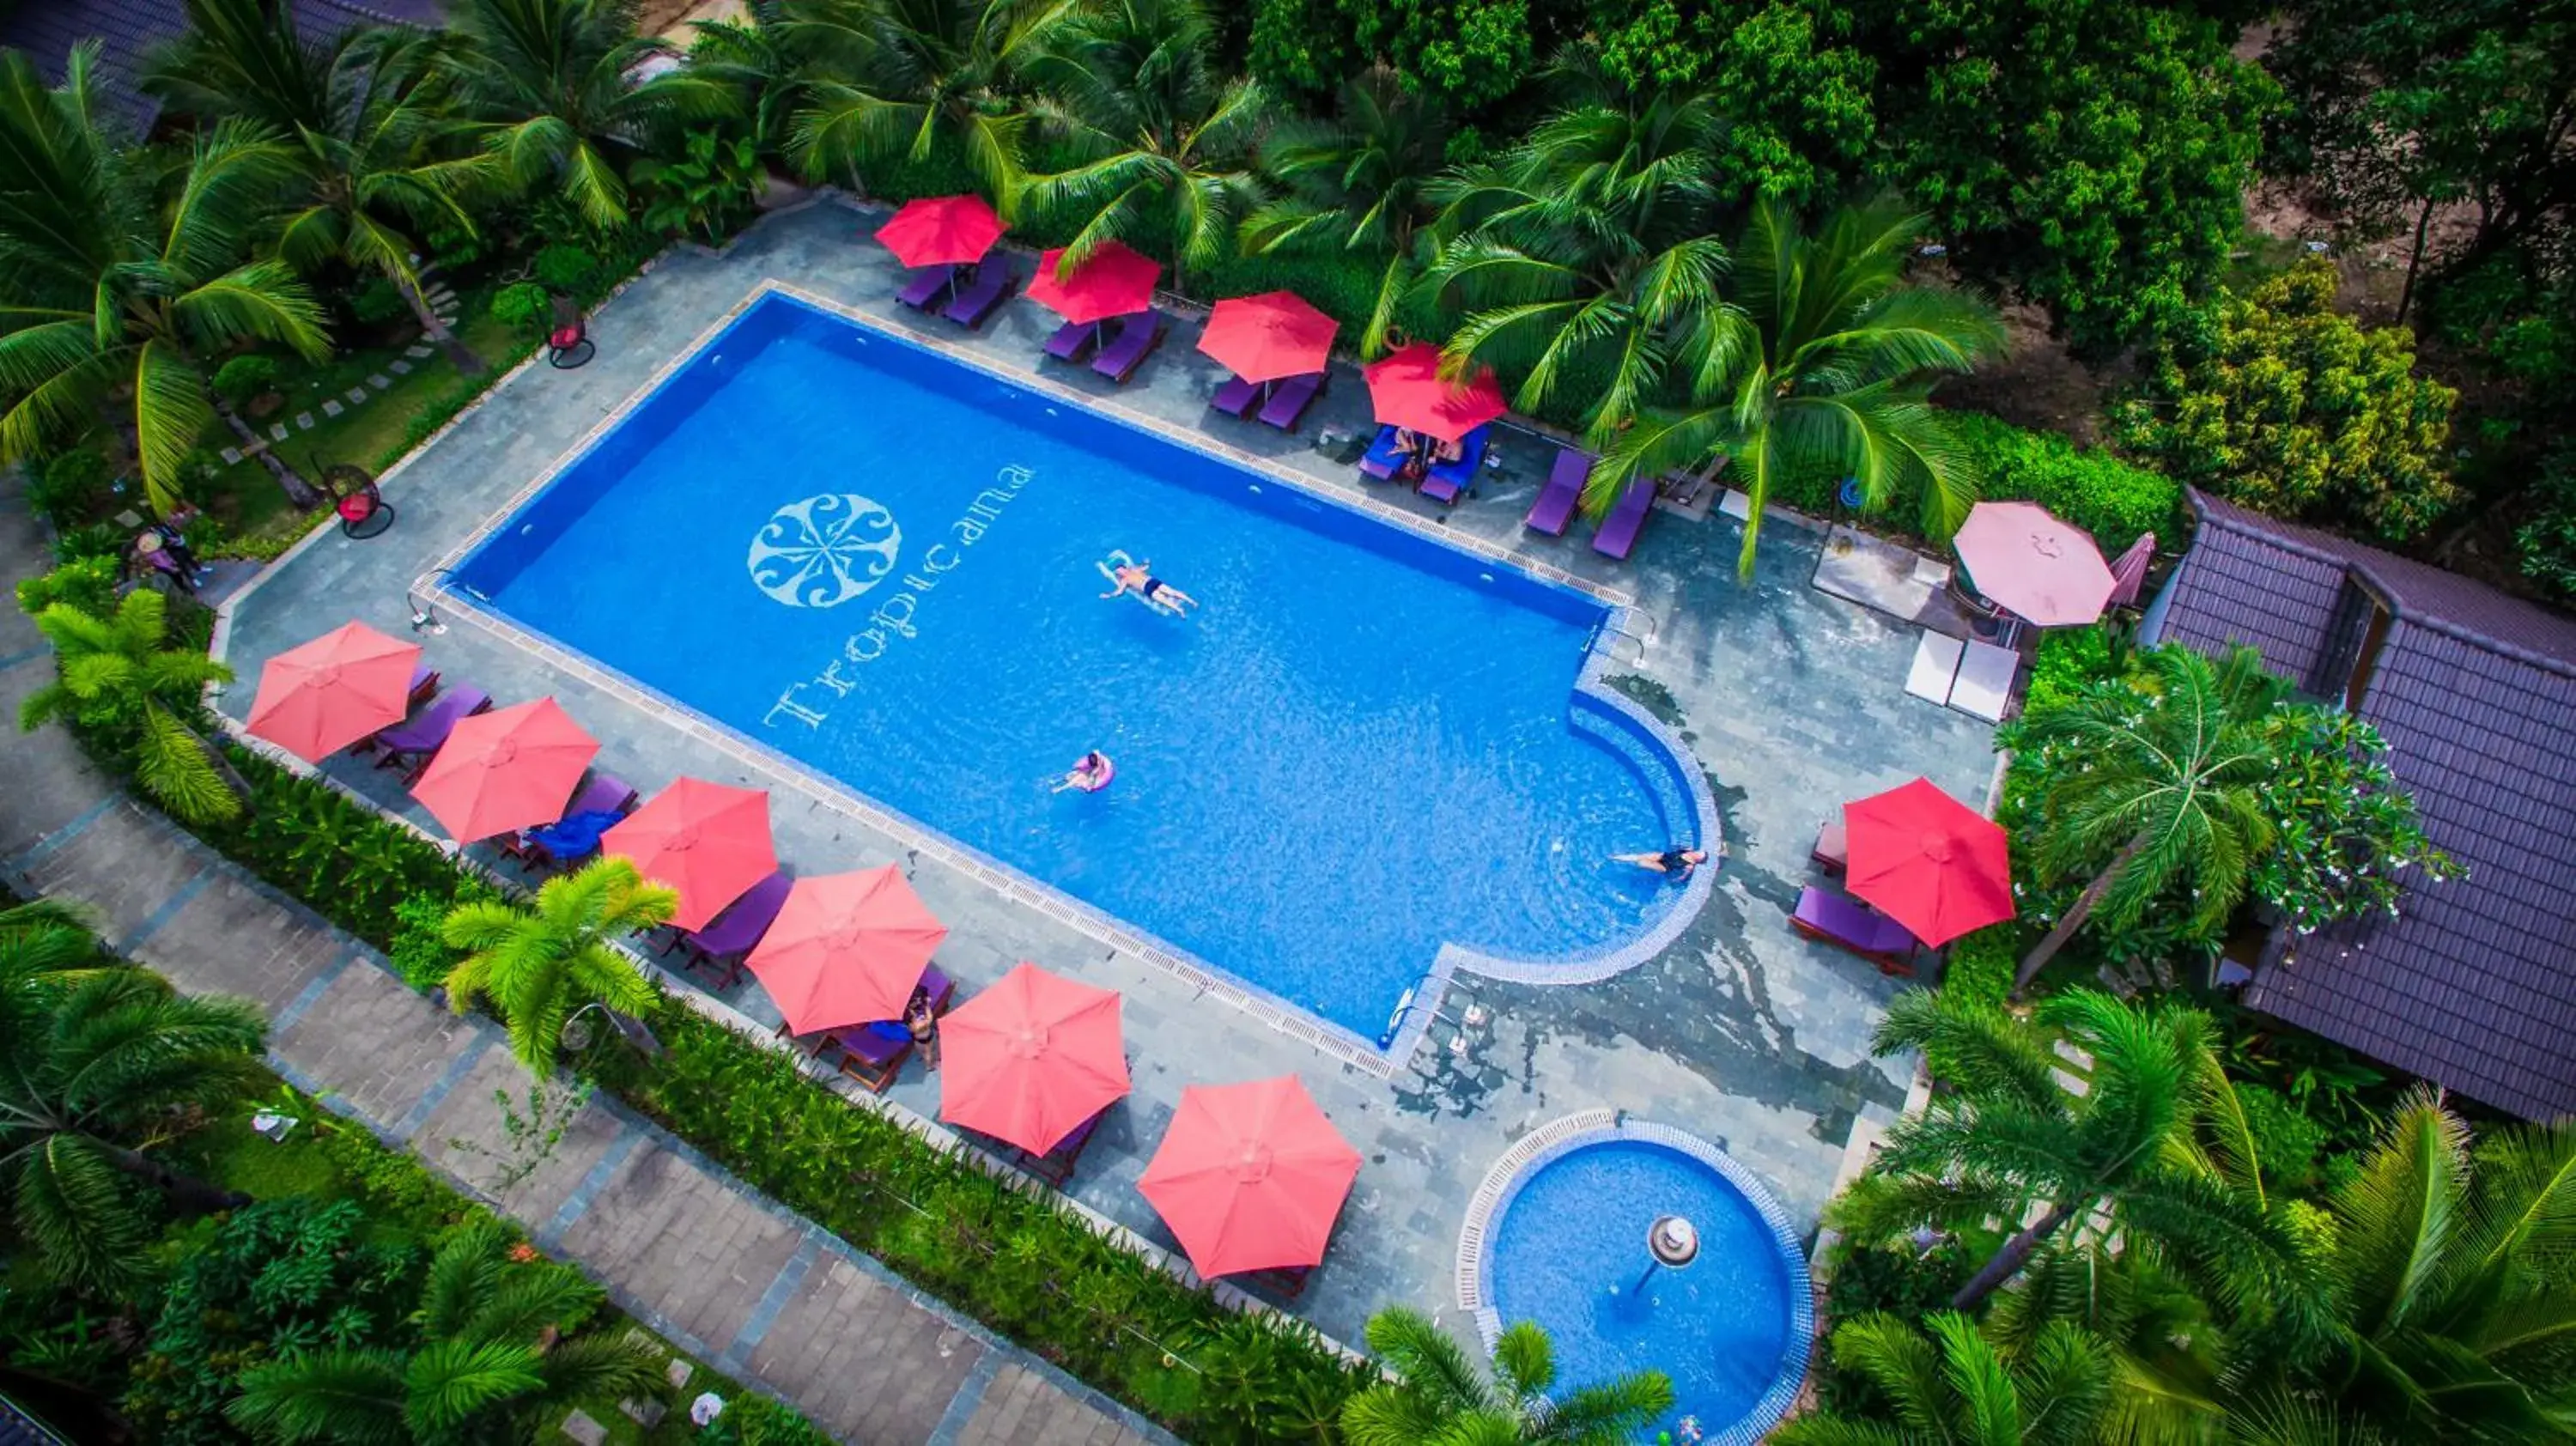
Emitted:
<point x="2174" y="1367"/>
<point x="487" y="1366"/>
<point x="548" y="81"/>
<point x="45" y="937"/>
<point x="2156" y="1142"/>
<point x="365" y="111"/>
<point x="1946" y="1385"/>
<point x="1359" y="184"/>
<point x="106" y="1067"/>
<point x="1161" y="137"/>
<point x="1440" y="1398"/>
<point x="2147" y="785"/>
<point x="118" y="673"/>
<point x="1823" y="364"/>
<point x="889" y="81"/>
<point x="116" y="284"/>
<point x="537" y="965"/>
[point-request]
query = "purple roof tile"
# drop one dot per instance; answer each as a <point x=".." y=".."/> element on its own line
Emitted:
<point x="2475" y="986"/>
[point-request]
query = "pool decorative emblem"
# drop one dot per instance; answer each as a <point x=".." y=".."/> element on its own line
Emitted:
<point x="824" y="550"/>
<point x="1672" y="1242"/>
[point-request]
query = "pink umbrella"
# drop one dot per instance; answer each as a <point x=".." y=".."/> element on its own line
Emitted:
<point x="2129" y="572"/>
<point x="846" y="949"/>
<point x="333" y="691"/>
<point x="1266" y="337"/>
<point x="1250" y="1176"/>
<point x="1031" y="1058"/>
<point x="505" y="769"/>
<point x="1927" y="861"/>
<point x="1407" y="390"/>
<point x="2032" y="565"/>
<point x="708" y="841"/>
<point x="942" y="231"/>
<point x="1115" y="281"/>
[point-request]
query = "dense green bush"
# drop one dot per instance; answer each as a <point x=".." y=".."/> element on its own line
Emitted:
<point x="567" y="269"/>
<point x="524" y="308"/>
<point x="2087" y="486"/>
<point x="69" y="488"/>
<point x="2547" y="543"/>
<point x="377" y="301"/>
<point x="244" y="378"/>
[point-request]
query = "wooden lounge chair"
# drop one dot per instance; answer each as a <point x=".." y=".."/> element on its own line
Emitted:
<point x="1071" y="340"/>
<point x="1443" y="481"/>
<point x="873" y="1054"/>
<point x="409" y="745"/>
<point x="1617" y="535"/>
<point x="1287" y="1282"/>
<point x="1056" y="1165"/>
<point x="1829" y="852"/>
<point x="1847" y="923"/>
<point x="1235" y="397"/>
<point x="1556" y="501"/>
<point x="424" y="685"/>
<point x="603" y="793"/>
<point x="982" y="296"/>
<point x="1384" y="458"/>
<point x="1290" y="400"/>
<point x="736" y="929"/>
<point x="928" y="287"/>
<point x="1137" y="336"/>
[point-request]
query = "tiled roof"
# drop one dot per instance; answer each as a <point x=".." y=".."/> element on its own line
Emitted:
<point x="2475" y="987"/>
<point x="128" y="31"/>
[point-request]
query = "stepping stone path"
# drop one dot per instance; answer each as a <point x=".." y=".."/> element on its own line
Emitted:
<point x="278" y="431"/>
<point x="332" y="408"/>
<point x="233" y="454"/>
<point x="442" y="301"/>
<point x="581" y="1428"/>
<point x="304" y="421"/>
<point x="418" y="350"/>
<point x="398" y="367"/>
<point x="380" y="381"/>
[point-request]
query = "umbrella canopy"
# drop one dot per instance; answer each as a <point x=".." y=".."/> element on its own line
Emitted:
<point x="704" y="839"/>
<point x="1250" y="1176"/>
<point x="333" y="691"/>
<point x="2129" y="571"/>
<point x="846" y="949"/>
<point x="2033" y="565"/>
<point x="505" y="769"/>
<point x="1266" y="337"/>
<point x="1407" y="390"/>
<point x="1927" y="861"/>
<point x="1031" y="1058"/>
<point x="1114" y="282"/>
<point x="942" y="231"/>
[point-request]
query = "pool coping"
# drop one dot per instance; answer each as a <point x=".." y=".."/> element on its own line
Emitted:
<point x="1417" y="1007"/>
<point x="1560" y="1137"/>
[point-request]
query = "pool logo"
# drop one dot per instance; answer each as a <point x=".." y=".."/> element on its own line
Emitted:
<point x="825" y="550"/>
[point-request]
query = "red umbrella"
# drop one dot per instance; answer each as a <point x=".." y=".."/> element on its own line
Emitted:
<point x="1114" y="282"/>
<point x="846" y="949"/>
<point x="505" y="769"/>
<point x="942" y="231"/>
<point x="1927" y="861"/>
<point x="1031" y="1058"/>
<point x="708" y="841"/>
<point x="2033" y="565"/>
<point x="1250" y="1176"/>
<point x="1266" y="337"/>
<point x="1408" y="391"/>
<point x="333" y="691"/>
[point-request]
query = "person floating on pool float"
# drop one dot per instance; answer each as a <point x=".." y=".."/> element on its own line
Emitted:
<point x="1135" y="577"/>
<point x="1676" y="862"/>
<point x="1090" y="773"/>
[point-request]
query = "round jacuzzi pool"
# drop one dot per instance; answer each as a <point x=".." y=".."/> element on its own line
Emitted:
<point x="1725" y="1312"/>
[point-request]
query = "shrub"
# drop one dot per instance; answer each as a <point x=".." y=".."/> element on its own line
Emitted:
<point x="377" y="302"/>
<point x="98" y="539"/>
<point x="524" y="308"/>
<point x="707" y="192"/>
<point x="67" y="489"/>
<point x="245" y="378"/>
<point x="87" y="583"/>
<point x="2089" y="487"/>
<point x="2277" y="401"/>
<point x="566" y="269"/>
<point x="2547" y="543"/>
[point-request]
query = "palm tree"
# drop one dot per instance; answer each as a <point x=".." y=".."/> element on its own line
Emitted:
<point x="1584" y="257"/>
<point x="45" y="937"/>
<point x="1131" y="87"/>
<point x="891" y="80"/>
<point x="549" y="80"/>
<point x="1440" y="1398"/>
<point x="1359" y="185"/>
<point x="107" y="1066"/>
<point x="538" y="965"/>
<point x="108" y="294"/>
<point x="2174" y="1368"/>
<point x="1824" y="364"/>
<point x="2147" y="784"/>
<point x="1957" y="1389"/>
<point x="365" y="112"/>
<point x="2156" y="1142"/>
<point x="115" y="672"/>
<point x="487" y="1366"/>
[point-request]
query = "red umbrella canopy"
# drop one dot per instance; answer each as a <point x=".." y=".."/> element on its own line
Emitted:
<point x="1250" y="1176"/>
<point x="333" y="691"/>
<point x="942" y="231"/>
<point x="2035" y="566"/>
<point x="505" y="769"/>
<point x="704" y="839"/>
<point x="1266" y="337"/>
<point x="1406" y="388"/>
<point x="1927" y="861"/>
<point x="1114" y="282"/>
<point x="846" y="949"/>
<point x="1031" y="1058"/>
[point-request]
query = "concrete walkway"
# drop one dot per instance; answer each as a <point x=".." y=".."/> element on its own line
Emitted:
<point x="677" y="1242"/>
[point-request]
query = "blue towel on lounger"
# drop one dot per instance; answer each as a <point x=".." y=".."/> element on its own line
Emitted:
<point x="574" y="837"/>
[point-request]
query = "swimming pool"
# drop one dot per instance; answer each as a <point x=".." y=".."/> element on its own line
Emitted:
<point x="885" y="564"/>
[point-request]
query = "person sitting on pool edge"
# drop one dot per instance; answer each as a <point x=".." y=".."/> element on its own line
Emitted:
<point x="1136" y="577"/>
<point x="1677" y="862"/>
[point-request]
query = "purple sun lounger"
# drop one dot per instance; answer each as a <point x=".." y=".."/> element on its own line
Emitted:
<point x="1384" y="457"/>
<point x="1847" y="923"/>
<point x="873" y="1054"/>
<point x="1618" y="531"/>
<point x="604" y="793"/>
<point x="1118" y="360"/>
<point x="734" y="931"/>
<point x="1289" y="400"/>
<point x="1235" y="397"/>
<point x="414" y="741"/>
<point x="1446" y="480"/>
<point x="993" y="281"/>
<point x="1555" y="505"/>
<point x="1071" y="340"/>
<point x="926" y="286"/>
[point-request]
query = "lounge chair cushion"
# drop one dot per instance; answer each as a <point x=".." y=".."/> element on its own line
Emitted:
<point x="1071" y="340"/>
<point x="1384" y="456"/>
<point x="926" y="284"/>
<point x="981" y="297"/>
<point x="1120" y="358"/>
<point x="1556" y="501"/>
<point x="1618" y="533"/>
<point x="1289" y="400"/>
<point x="1841" y="919"/>
<point x="1445" y="480"/>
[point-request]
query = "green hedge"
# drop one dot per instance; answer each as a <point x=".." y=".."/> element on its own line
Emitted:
<point x="2087" y="486"/>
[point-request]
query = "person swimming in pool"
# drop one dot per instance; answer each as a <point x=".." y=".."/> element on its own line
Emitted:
<point x="1677" y="862"/>
<point x="1137" y="578"/>
<point x="1090" y="773"/>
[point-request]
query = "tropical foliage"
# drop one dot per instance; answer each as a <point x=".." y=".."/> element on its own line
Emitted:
<point x="1440" y="1397"/>
<point x="1947" y="1385"/>
<point x="119" y="672"/>
<point x="540" y="963"/>
<point x="880" y="84"/>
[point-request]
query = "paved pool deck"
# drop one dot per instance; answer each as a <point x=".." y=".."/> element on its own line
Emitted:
<point x="1790" y="700"/>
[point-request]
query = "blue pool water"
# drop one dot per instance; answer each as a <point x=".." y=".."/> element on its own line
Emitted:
<point x="883" y="563"/>
<point x="1571" y="1246"/>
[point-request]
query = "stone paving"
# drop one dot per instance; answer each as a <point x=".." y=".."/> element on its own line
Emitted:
<point x="1791" y="700"/>
<point x="677" y="1242"/>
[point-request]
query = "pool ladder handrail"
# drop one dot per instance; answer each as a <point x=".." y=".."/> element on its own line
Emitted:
<point x="1611" y="629"/>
